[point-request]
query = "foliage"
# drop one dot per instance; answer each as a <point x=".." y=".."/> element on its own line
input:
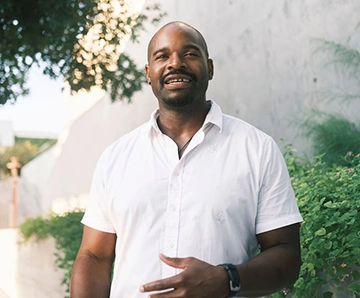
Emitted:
<point x="43" y="142"/>
<point x="78" y="40"/>
<point x="24" y="149"/>
<point x="346" y="59"/>
<point x="67" y="232"/>
<point x="340" y="55"/>
<point x="329" y="201"/>
<point x="333" y="136"/>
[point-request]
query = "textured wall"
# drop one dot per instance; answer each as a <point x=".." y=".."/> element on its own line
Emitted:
<point x="28" y="270"/>
<point x="265" y="68"/>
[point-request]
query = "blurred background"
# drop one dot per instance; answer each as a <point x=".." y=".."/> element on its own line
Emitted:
<point x="290" y="68"/>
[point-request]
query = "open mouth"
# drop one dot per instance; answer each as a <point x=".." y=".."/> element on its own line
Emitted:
<point x="177" y="80"/>
<point x="174" y="81"/>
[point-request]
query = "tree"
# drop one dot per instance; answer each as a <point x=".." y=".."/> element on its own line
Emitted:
<point x="24" y="149"/>
<point x="79" y="40"/>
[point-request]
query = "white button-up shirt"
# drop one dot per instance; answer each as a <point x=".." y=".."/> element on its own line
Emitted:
<point x="230" y="184"/>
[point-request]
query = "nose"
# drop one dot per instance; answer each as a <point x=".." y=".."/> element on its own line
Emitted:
<point x="176" y="61"/>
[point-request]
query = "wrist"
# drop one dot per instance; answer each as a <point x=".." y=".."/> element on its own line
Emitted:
<point x="234" y="283"/>
<point x="223" y="279"/>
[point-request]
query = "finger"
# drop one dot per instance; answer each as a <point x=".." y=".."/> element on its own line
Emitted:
<point x="164" y="294"/>
<point x="159" y="285"/>
<point x="174" y="262"/>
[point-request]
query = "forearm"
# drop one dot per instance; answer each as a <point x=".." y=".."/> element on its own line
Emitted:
<point x="90" y="278"/>
<point x="270" y="271"/>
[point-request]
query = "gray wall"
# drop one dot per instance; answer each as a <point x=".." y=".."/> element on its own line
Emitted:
<point x="265" y="68"/>
<point x="265" y="73"/>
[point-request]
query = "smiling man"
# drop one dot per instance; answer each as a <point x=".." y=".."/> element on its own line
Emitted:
<point x="185" y="200"/>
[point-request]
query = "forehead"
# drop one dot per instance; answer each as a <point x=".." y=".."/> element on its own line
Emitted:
<point x="175" y="35"/>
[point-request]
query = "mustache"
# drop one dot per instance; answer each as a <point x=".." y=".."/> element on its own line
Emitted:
<point x="178" y="71"/>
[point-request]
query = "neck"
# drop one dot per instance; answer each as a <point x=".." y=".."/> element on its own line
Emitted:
<point x="181" y="124"/>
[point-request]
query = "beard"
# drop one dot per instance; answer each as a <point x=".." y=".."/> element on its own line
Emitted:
<point x="178" y="101"/>
<point x="180" y="98"/>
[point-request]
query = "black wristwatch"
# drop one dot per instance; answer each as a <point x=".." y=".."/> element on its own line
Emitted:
<point x="234" y="278"/>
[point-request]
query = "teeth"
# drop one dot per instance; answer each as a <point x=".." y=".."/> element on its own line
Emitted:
<point x="178" y="80"/>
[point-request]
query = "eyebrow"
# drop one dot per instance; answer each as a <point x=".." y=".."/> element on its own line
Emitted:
<point x="185" y="47"/>
<point x="164" y="49"/>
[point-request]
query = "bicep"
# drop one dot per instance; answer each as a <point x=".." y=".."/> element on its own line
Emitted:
<point x="280" y="249"/>
<point x="99" y="245"/>
<point x="285" y="236"/>
<point x="91" y="275"/>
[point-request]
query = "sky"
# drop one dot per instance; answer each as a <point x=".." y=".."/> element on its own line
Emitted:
<point x="43" y="110"/>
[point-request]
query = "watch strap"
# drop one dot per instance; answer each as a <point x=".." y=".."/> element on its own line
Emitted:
<point x="234" y="278"/>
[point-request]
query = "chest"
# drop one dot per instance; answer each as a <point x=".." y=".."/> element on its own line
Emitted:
<point x="215" y="176"/>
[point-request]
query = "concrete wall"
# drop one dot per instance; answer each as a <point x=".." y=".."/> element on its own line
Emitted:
<point x="28" y="270"/>
<point x="7" y="137"/>
<point x="265" y="69"/>
<point x="28" y="199"/>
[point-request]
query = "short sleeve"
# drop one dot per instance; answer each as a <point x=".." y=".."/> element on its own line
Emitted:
<point x="97" y="214"/>
<point x="277" y="205"/>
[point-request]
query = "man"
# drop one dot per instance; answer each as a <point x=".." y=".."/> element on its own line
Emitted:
<point x="187" y="191"/>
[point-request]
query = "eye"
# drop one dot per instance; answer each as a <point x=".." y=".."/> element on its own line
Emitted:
<point x="191" y="54"/>
<point x="161" y="56"/>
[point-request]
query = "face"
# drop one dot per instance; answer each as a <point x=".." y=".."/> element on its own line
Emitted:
<point x="178" y="67"/>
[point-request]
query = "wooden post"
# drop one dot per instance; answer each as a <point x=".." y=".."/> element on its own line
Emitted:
<point x="14" y="167"/>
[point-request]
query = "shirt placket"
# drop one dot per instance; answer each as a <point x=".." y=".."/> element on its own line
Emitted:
<point x="173" y="209"/>
<point x="172" y="226"/>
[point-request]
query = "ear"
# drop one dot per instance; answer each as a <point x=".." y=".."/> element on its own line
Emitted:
<point x="147" y="72"/>
<point x="210" y="68"/>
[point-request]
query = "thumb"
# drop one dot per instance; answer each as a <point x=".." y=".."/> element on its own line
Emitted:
<point x="173" y="262"/>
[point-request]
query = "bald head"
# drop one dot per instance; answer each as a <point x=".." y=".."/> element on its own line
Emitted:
<point x="181" y="26"/>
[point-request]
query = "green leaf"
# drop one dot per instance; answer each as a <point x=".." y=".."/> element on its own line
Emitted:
<point x="355" y="242"/>
<point x="310" y="266"/>
<point x="355" y="287"/>
<point x="328" y="245"/>
<point x="330" y="205"/>
<point x="356" y="274"/>
<point x="328" y="295"/>
<point x="320" y="232"/>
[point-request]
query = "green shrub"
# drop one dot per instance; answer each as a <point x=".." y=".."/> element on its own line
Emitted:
<point x="329" y="201"/>
<point x="333" y="136"/>
<point x="67" y="232"/>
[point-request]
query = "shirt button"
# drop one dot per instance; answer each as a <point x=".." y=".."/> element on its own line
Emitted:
<point x="171" y="244"/>
<point x="173" y="207"/>
<point x="212" y="148"/>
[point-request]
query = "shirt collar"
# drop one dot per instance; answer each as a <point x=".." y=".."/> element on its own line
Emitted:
<point x="214" y="117"/>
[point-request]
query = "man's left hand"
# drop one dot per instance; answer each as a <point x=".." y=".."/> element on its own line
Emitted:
<point x="199" y="279"/>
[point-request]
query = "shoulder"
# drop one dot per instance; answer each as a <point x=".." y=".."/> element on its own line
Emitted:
<point x="239" y="128"/>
